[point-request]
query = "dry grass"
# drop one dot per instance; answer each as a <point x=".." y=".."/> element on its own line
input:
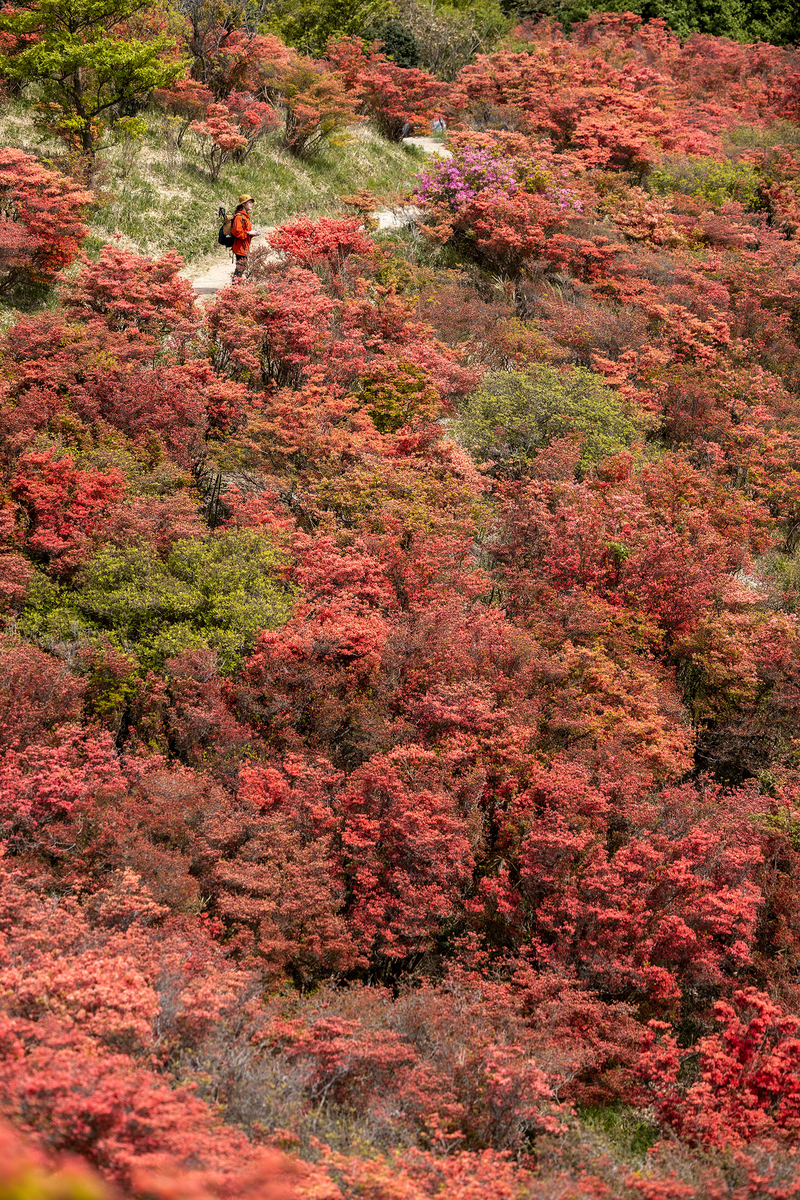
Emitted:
<point x="165" y="199"/>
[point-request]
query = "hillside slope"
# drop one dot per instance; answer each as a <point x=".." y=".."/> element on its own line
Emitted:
<point x="399" y="791"/>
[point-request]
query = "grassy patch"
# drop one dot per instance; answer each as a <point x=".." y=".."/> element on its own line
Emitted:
<point x="17" y="129"/>
<point x="626" y="1131"/>
<point x="165" y="201"/>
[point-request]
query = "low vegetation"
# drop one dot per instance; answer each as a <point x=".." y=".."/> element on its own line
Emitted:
<point x="399" y="789"/>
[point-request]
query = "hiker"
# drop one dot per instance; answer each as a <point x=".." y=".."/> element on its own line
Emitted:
<point x="243" y="232"/>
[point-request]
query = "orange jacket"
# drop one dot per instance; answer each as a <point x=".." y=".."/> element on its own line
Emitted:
<point x="240" y="228"/>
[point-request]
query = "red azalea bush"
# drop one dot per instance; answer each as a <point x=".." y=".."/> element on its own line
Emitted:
<point x="397" y="98"/>
<point x="746" y="1087"/>
<point x="41" y="228"/>
<point x="185" y="101"/>
<point x="399" y="761"/>
<point x="220" y="137"/>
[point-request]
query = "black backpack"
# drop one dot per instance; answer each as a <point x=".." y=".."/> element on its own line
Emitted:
<point x="225" y="237"/>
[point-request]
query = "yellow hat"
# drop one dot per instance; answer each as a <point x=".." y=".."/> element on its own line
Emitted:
<point x="244" y="198"/>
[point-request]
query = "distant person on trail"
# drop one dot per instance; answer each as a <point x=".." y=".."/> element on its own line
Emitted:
<point x="243" y="232"/>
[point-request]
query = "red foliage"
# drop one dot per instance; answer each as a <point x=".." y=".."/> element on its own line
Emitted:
<point x="123" y="354"/>
<point x="41" y="225"/>
<point x="45" y="786"/>
<point x="290" y="330"/>
<point x="76" y="1031"/>
<point x="747" y="1086"/>
<point x="185" y="101"/>
<point x="274" y="870"/>
<point x="506" y="230"/>
<point x="37" y="693"/>
<point x="328" y="240"/>
<point x="468" y="767"/>
<point x="271" y="335"/>
<point x="395" y="97"/>
<point x="406" y="855"/>
<point x="15" y="570"/>
<point x="159" y="521"/>
<point x="655" y="538"/>
<point x="304" y="93"/>
<point x="220" y="138"/>
<point x="665" y="914"/>
<point x="129" y="293"/>
<point x="25" y="1168"/>
<point x="231" y="130"/>
<point x="316" y="106"/>
<point x="60" y="507"/>
<point x="236" y="60"/>
<point x="255" y="119"/>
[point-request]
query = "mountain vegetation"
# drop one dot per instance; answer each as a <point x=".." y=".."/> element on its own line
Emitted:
<point x="400" y="781"/>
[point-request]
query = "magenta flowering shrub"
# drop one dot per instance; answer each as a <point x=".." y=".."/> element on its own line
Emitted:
<point x="471" y="170"/>
<point x="501" y="209"/>
<point x="563" y="197"/>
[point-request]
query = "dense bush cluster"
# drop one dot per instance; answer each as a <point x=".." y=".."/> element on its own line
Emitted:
<point x="399" y="793"/>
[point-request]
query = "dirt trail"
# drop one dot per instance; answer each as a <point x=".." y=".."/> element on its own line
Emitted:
<point x="217" y="273"/>
<point x="430" y="145"/>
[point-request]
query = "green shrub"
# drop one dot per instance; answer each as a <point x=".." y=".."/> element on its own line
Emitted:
<point x="50" y="615"/>
<point x="761" y="137"/>
<point x="628" y="1132"/>
<point x="514" y="415"/>
<point x="397" y="42"/>
<point x="218" y="594"/>
<point x="397" y="394"/>
<point x="717" y="182"/>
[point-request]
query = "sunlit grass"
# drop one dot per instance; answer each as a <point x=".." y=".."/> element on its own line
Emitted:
<point x="164" y="199"/>
<point x="169" y="201"/>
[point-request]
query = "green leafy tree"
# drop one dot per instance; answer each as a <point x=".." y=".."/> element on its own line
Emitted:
<point x="311" y="24"/>
<point x="742" y="20"/>
<point x="86" y="68"/>
<point x="397" y="42"/>
<point x="773" y="22"/>
<point x="514" y="415"/>
<point x="219" y="594"/>
<point x="722" y="18"/>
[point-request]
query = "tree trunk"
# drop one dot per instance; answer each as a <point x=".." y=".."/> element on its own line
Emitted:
<point x="87" y="140"/>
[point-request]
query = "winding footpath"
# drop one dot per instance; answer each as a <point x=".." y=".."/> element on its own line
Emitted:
<point x="218" y="273"/>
